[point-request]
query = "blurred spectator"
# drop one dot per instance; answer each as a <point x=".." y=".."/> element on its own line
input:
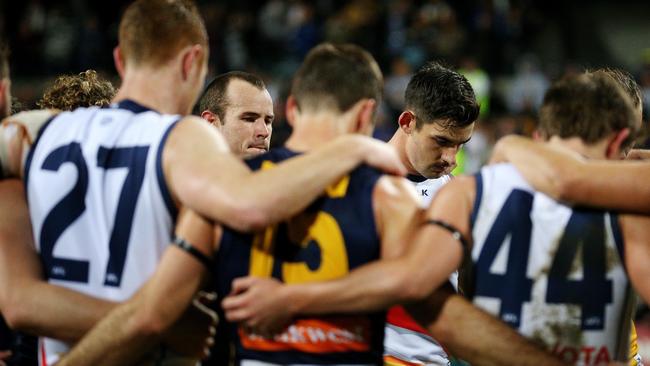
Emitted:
<point x="480" y="81"/>
<point x="527" y="87"/>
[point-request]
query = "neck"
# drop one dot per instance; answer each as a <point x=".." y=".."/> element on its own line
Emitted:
<point x="156" y="88"/>
<point x="590" y="151"/>
<point x="398" y="141"/>
<point x="313" y="130"/>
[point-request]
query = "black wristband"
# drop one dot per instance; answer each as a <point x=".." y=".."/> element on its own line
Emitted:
<point x="188" y="248"/>
<point x="455" y="233"/>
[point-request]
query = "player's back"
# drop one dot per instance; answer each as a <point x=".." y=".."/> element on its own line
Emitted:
<point x="553" y="272"/>
<point x="99" y="204"/>
<point x="334" y="235"/>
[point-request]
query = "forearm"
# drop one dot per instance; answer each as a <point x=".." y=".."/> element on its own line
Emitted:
<point x="120" y="330"/>
<point x="489" y="342"/>
<point x="542" y="166"/>
<point x="566" y="177"/>
<point x="37" y="307"/>
<point x="369" y="288"/>
<point x="379" y="285"/>
<point x="269" y="196"/>
<point x="27" y="302"/>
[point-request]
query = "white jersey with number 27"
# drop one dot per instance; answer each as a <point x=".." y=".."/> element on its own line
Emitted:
<point x="100" y="208"/>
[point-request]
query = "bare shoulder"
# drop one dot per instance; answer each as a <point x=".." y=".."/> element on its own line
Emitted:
<point x="391" y="188"/>
<point x="192" y="131"/>
<point x="397" y="211"/>
<point x="459" y="188"/>
<point x="31" y="121"/>
<point x="17" y="133"/>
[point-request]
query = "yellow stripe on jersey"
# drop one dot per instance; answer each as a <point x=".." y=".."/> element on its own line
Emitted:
<point x="635" y="358"/>
<point x="394" y="361"/>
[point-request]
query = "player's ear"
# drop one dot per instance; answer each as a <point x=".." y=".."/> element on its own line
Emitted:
<point x="366" y="116"/>
<point x="119" y="61"/>
<point x="211" y="117"/>
<point x="291" y="110"/>
<point x="406" y="122"/>
<point x="616" y="144"/>
<point x="191" y="60"/>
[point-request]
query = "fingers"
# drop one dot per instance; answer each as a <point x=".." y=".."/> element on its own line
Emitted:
<point x="237" y="315"/>
<point x="242" y="284"/>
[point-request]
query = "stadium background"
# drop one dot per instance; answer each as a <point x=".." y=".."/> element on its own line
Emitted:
<point x="509" y="50"/>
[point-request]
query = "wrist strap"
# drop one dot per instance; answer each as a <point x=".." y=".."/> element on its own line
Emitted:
<point x="197" y="254"/>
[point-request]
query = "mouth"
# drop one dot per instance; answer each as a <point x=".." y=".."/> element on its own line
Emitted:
<point x="259" y="147"/>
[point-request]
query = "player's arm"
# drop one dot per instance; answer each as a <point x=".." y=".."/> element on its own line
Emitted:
<point x="638" y="154"/>
<point x="17" y="133"/>
<point x="566" y="176"/>
<point x="27" y="302"/>
<point x="204" y="176"/>
<point x="474" y="335"/>
<point x="636" y="236"/>
<point x="136" y="326"/>
<point x="428" y="261"/>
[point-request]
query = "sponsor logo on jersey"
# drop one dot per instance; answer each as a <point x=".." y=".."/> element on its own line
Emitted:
<point x="314" y="336"/>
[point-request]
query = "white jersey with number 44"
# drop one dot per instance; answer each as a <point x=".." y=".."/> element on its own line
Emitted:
<point x="551" y="271"/>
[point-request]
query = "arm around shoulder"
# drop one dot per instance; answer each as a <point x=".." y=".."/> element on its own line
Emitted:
<point x="204" y="176"/>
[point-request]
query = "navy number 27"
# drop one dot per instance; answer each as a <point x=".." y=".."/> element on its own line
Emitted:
<point x="73" y="205"/>
<point x="585" y="229"/>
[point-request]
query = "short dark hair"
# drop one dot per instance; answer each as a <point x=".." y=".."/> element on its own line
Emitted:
<point x="436" y="93"/>
<point x="85" y="89"/>
<point x="625" y="81"/>
<point x="154" y="31"/>
<point x="589" y="106"/>
<point x="4" y="59"/>
<point x="214" y="97"/>
<point x="336" y="76"/>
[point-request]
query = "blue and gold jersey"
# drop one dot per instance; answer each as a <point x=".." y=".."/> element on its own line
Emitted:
<point x="331" y="237"/>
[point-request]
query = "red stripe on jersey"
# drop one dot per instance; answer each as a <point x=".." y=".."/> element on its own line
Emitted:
<point x="43" y="356"/>
<point x="399" y="317"/>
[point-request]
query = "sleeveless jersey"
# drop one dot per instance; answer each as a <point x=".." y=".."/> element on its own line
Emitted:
<point x="550" y="271"/>
<point x="334" y="235"/>
<point x="100" y="208"/>
<point x="406" y="342"/>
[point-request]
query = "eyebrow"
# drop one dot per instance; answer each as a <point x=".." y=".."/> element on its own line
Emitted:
<point x="255" y="115"/>
<point x="450" y="140"/>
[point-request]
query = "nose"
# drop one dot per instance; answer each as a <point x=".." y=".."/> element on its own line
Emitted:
<point x="449" y="155"/>
<point x="262" y="130"/>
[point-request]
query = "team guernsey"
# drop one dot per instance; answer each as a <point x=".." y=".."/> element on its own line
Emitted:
<point x="552" y="272"/>
<point x="100" y="209"/>
<point x="334" y="235"/>
<point x="406" y="342"/>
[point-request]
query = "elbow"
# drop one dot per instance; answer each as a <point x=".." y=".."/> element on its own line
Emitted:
<point x="248" y="218"/>
<point x="406" y="288"/>
<point x="414" y="292"/>
<point x="562" y="187"/>
<point x="16" y="316"/>
<point x="15" y="310"/>
<point x="148" y="323"/>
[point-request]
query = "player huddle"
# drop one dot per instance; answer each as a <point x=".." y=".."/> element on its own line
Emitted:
<point x="114" y="218"/>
